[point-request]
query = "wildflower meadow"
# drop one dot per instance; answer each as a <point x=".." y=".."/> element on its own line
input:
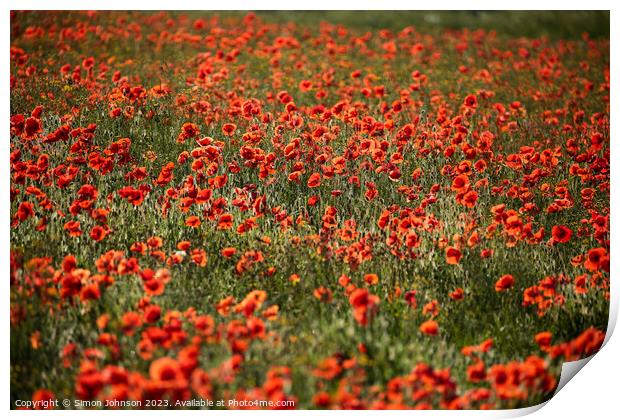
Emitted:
<point x="338" y="210"/>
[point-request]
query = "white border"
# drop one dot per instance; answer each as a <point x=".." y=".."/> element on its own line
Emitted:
<point x="593" y="395"/>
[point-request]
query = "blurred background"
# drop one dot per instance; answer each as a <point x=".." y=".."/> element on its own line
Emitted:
<point x="552" y="23"/>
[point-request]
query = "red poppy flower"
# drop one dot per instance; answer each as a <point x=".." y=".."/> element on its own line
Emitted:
<point x="90" y="292"/>
<point x="229" y="129"/>
<point x="505" y="282"/>
<point x="453" y="255"/>
<point x="561" y="234"/>
<point x="154" y="287"/>
<point x="225" y="221"/>
<point x="98" y="233"/>
<point x="152" y="313"/>
<point x="470" y="101"/>
<point x="543" y="339"/>
<point x="457" y="294"/>
<point x="25" y="210"/>
<point x="73" y="228"/>
<point x="32" y="127"/>
<point x="460" y="183"/>
<point x="190" y="130"/>
<point x="470" y="198"/>
<point x="597" y="258"/>
<point x="69" y="263"/>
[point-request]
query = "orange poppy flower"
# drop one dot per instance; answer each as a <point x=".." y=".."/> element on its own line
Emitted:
<point x="225" y="221"/>
<point x="228" y="252"/>
<point x="314" y="180"/>
<point x="371" y="279"/>
<point x="183" y="245"/>
<point x="154" y="287"/>
<point x="543" y="339"/>
<point x="429" y="327"/>
<point x="44" y="399"/>
<point x="453" y="255"/>
<point x="192" y="221"/>
<point x="166" y="369"/>
<point x="470" y="198"/>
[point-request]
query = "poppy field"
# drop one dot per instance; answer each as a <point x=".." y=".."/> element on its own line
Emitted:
<point x="303" y="211"/>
